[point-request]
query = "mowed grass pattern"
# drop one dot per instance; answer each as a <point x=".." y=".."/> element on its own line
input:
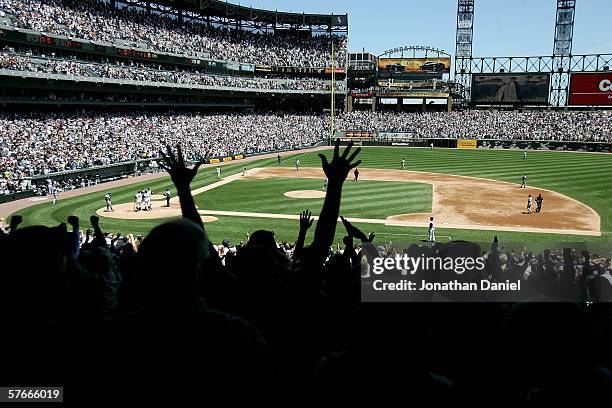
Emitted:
<point x="358" y="199"/>
<point x="582" y="176"/>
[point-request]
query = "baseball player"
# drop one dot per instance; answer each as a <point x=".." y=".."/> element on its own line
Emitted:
<point x="432" y="230"/>
<point x="403" y="164"/>
<point x="524" y="181"/>
<point x="137" y="201"/>
<point x="539" y="200"/>
<point x="55" y="195"/>
<point x="218" y="172"/>
<point x="297" y="165"/>
<point x="148" y="194"/>
<point x="107" y="200"/>
<point x="278" y="159"/>
<point x="167" y="196"/>
<point x="529" y="203"/>
<point x="525" y="155"/>
<point x="244" y="171"/>
<point x="356" y="173"/>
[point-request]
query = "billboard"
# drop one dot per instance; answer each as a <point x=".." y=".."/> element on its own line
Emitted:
<point x="337" y="70"/>
<point x="467" y="143"/>
<point x="510" y="88"/>
<point x="439" y="65"/>
<point x="591" y="89"/>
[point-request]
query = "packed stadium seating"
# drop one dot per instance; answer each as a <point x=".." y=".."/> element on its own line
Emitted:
<point x="99" y="21"/>
<point x="586" y="126"/>
<point x="40" y="144"/>
<point x="25" y="63"/>
<point x="46" y="143"/>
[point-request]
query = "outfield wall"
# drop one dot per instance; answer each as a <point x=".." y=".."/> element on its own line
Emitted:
<point x="553" y="145"/>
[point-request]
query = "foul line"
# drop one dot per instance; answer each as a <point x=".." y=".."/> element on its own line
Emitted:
<point x="414" y="235"/>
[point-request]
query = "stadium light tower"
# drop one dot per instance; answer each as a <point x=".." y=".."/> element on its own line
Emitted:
<point x="463" y="50"/>
<point x="562" y="51"/>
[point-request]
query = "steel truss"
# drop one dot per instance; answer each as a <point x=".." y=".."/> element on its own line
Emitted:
<point x="249" y="19"/>
<point x="463" y="44"/>
<point x="560" y="68"/>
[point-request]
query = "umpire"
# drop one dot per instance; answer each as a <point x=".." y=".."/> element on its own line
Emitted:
<point x="539" y="200"/>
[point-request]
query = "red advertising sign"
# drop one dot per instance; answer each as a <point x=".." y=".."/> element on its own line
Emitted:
<point x="591" y="89"/>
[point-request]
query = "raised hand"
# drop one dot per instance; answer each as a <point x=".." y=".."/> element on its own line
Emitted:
<point x="305" y="221"/>
<point x="175" y="166"/>
<point x="305" y="224"/>
<point x="74" y="221"/>
<point x="95" y="221"/>
<point x="338" y="169"/>
<point x="355" y="232"/>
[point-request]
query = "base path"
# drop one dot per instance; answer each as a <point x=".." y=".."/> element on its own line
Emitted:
<point x="158" y="206"/>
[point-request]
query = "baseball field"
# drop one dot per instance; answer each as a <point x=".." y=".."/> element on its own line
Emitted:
<point x="473" y="195"/>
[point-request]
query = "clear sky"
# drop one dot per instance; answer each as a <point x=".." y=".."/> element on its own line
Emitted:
<point x="501" y="27"/>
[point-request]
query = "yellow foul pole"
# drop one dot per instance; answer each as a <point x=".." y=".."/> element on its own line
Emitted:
<point x="333" y="93"/>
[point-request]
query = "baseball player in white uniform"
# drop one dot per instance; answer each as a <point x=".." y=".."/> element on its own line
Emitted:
<point x="244" y="169"/>
<point x="524" y="181"/>
<point x="432" y="230"/>
<point x="529" y="203"/>
<point x="218" y="172"/>
<point x="55" y="195"/>
<point x="107" y="200"/>
<point x="403" y="164"/>
<point x="148" y="194"/>
<point x="297" y="165"/>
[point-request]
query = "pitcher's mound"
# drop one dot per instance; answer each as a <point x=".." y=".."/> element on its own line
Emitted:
<point x="305" y="194"/>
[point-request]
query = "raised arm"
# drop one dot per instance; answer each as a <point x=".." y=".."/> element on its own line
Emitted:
<point x="99" y="239"/>
<point x="182" y="177"/>
<point x="336" y="171"/>
<point x="305" y="224"/>
<point x="74" y="236"/>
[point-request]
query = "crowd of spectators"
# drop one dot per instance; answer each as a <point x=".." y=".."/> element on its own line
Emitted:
<point x="140" y="72"/>
<point x="36" y="143"/>
<point x="98" y="21"/>
<point x="585" y="126"/>
<point x="113" y="313"/>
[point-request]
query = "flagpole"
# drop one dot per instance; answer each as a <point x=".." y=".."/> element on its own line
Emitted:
<point x="333" y="93"/>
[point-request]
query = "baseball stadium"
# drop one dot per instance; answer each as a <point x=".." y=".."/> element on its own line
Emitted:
<point x="474" y="195"/>
<point x="235" y="188"/>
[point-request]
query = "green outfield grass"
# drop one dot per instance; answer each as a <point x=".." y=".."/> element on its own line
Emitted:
<point x="584" y="177"/>
<point x="267" y="196"/>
